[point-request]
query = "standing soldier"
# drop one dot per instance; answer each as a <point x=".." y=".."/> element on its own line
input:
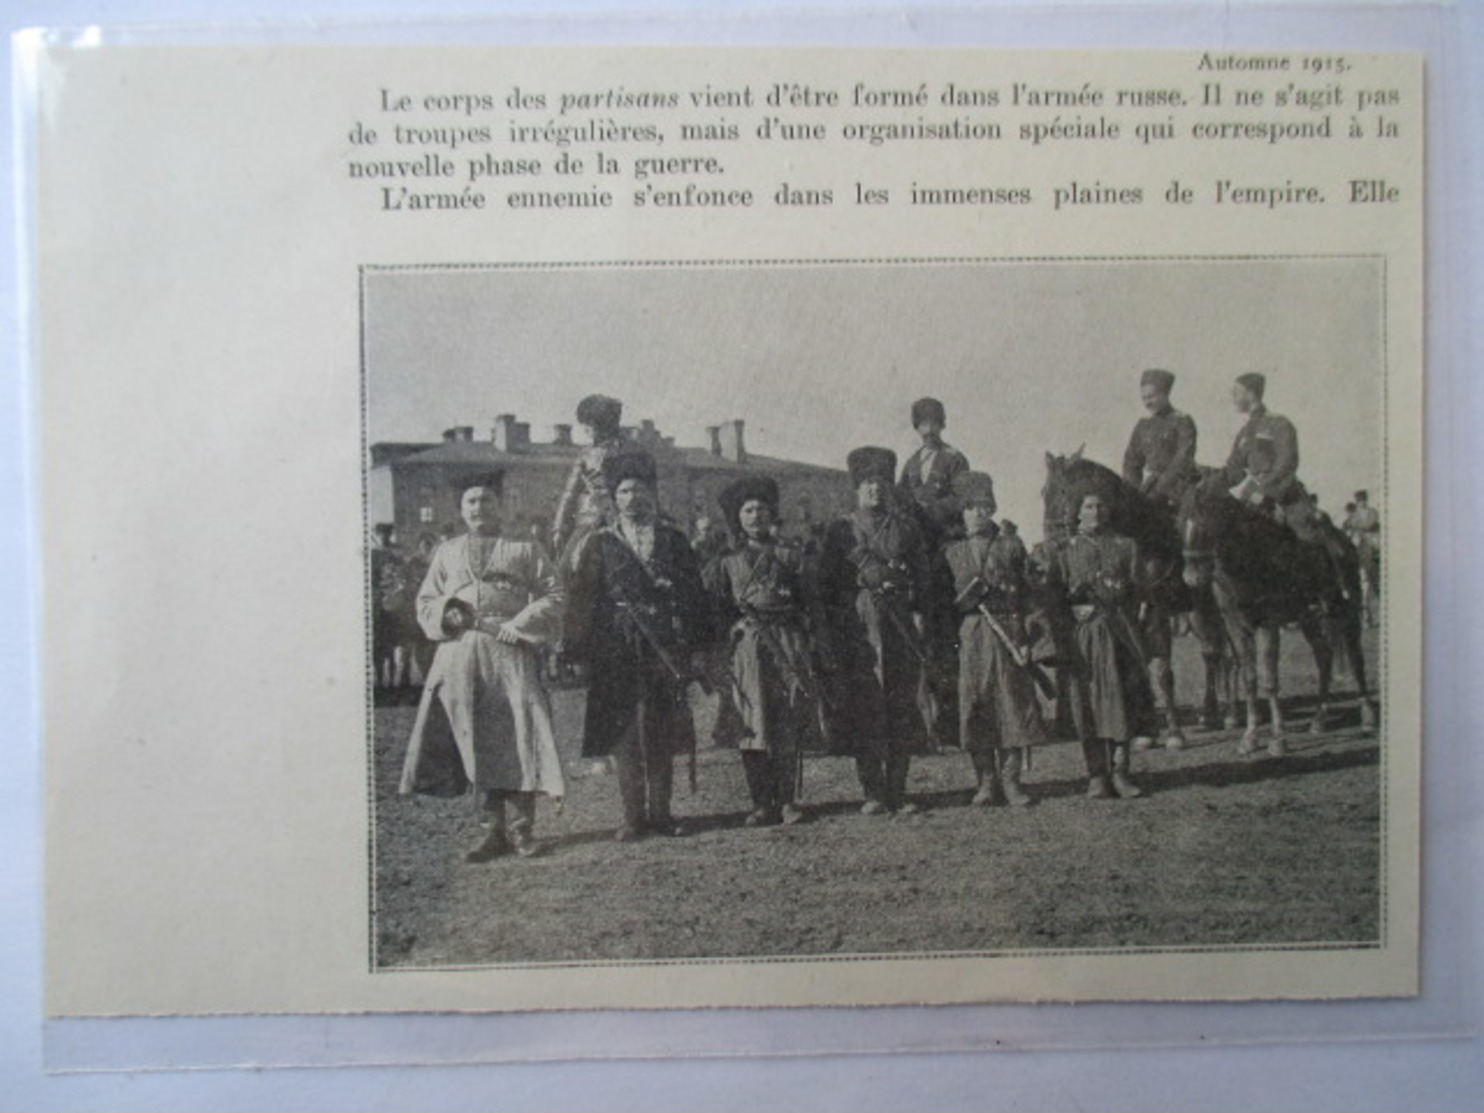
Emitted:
<point x="1094" y="575"/>
<point x="874" y="584"/>
<point x="389" y="591"/>
<point x="1160" y="462"/>
<point x="998" y="710"/>
<point x="489" y="604"/>
<point x="763" y="585"/>
<point x="638" y="611"/>
<point x="927" y="479"/>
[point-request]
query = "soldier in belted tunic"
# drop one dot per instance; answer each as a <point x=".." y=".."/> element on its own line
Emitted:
<point x="927" y="476"/>
<point x="765" y="587"/>
<point x="638" y="611"/>
<point x="489" y="604"/>
<point x="586" y="504"/>
<point x="1095" y="575"/>
<point x="1160" y="458"/>
<point x="998" y="710"/>
<point x="1262" y="471"/>
<point x="874" y="584"/>
<point x="1160" y="462"/>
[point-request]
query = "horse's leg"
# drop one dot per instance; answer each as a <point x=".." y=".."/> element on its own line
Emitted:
<point x="1206" y="624"/>
<point x="1245" y="668"/>
<point x="1350" y="631"/>
<point x="1319" y="631"/>
<point x="1267" y="683"/>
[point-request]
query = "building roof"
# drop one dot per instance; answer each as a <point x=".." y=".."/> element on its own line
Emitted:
<point x="485" y="454"/>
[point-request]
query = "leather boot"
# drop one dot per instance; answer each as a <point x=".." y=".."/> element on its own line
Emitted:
<point x="495" y="843"/>
<point x="1124" y="787"/>
<point x="1095" y="757"/>
<point x="985" y="775"/>
<point x="1010" y="779"/>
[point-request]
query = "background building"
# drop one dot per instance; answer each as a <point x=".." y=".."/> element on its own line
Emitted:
<point x="410" y="485"/>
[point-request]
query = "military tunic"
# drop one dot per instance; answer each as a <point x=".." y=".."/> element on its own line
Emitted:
<point x="1160" y="457"/>
<point x="483" y="693"/>
<point x="763" y="587"/>
<point x="1266" y="448"/>
<point x="586" y="503"/>
<point x="1096" y="576"/>
<point x="927" y="478"/>
<point x="997" y="701"/>
<point x="629" y="589"/>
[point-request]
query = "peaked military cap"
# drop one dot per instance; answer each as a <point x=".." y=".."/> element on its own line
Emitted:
<point x="1160" y="380"/>
<point x="1362" y="496"/>
<point x="633" y="464"/>
<point x="972" y="488"/>
<point x="599" y="410"/>
<point x="1254" y="382"/>
<point x="871" y="463"/>
<point x="738" y="493"/>
<point x="928" y="409"/>
<point x="383" y="529"/>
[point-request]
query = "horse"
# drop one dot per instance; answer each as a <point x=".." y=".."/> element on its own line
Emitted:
<point x="1152" y="526"/>
<point x="1264" y="577"/>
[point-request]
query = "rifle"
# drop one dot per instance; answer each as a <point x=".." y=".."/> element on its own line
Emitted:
<point x="974" y="594"/>
<point x="680" y="676"/>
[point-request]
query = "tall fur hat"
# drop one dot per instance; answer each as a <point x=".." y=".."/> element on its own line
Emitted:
<point x="871" y="463"/>
<point x="600" y="411"/>
<point x="928" y="409"/>
<point x="974" y="487"/>
<point x="740" y="492"/>
<point x="1160" y="380"/>
<point x="634" y="464"/>
<point x="1253" y="381"/>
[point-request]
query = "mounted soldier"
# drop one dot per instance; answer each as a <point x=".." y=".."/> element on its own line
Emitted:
<point x="1160" y="462"/>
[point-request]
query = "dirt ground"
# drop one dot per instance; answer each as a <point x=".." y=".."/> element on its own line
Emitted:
<point x="1221" y="850"/>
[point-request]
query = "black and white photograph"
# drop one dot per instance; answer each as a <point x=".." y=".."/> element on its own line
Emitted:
<point x="932" y="607"/>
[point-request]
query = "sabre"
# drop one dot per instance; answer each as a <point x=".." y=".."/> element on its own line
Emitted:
<point x="975" y="593"/>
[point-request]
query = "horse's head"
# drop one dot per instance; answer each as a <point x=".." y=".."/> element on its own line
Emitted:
<point x="1068" y="479"/>
<point x="1204" y="517"/>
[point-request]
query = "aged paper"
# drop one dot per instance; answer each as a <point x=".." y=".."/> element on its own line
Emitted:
<point x="285" y="295"/>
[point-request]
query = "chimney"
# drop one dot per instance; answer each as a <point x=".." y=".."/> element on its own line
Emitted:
<point x="648" y="435"/>
<point x="713" y="434"/>
<point x="561" y="434"/>
<point x="732" y="446"/>
<point x="459" y="434"/>
<point x="510" y="435"/>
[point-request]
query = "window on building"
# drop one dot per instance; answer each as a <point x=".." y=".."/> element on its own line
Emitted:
<point x="425" y="515"/>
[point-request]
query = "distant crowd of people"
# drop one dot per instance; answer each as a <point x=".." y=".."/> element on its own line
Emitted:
<point x="916" y="621"/>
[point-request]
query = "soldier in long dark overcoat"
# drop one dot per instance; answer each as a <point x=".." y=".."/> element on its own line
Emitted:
<point x="637" y="611"/>
<point x="875" y="586"/>
<point x="999" y="713"/>
<point x="1094" y="575"/>
<point x="765" y="588"/>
